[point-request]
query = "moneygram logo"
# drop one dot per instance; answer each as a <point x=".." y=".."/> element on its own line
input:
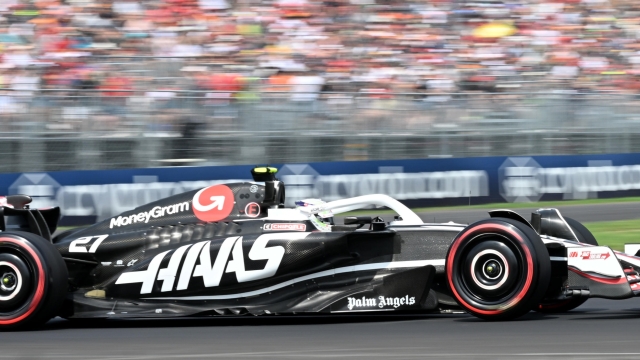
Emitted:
<point x="213" y="203"/>
<point x="145" y="216"/>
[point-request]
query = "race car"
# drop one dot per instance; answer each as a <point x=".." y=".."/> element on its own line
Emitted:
<point x="235" y="249"/>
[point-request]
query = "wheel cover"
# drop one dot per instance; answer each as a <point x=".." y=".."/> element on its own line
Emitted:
<point x="491" y="270"/>
<point x="491" y="303"/>
<point x="10" y="281"/>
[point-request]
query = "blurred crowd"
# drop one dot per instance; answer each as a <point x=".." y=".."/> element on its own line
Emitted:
<point x="306" y="46"/>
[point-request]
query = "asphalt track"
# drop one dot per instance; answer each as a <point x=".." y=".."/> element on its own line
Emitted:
<point x="600" y="329"/>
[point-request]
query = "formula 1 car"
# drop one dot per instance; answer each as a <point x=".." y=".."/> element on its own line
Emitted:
<point x="234" y="249"/>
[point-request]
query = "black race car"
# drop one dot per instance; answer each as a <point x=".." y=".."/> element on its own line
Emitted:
<point x="234" y="249"/>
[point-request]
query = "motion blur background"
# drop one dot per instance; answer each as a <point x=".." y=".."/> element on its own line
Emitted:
<point x="102" y="84"/>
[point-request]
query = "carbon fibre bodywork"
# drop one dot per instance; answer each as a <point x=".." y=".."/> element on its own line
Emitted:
<point x="175" y="264"/>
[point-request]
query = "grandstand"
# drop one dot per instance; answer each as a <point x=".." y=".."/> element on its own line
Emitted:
<point x="113" y="84"/>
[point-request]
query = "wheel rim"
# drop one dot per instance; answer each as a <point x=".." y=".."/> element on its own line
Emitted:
<point x="10" y="281"/>
<point x="491" y="270"/>
<point x="16" y="283"/>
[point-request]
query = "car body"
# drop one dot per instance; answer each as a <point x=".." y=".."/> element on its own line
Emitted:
<point x="233" y="249"/>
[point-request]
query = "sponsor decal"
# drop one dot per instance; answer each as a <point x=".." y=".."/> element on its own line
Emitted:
<point x="588" y="255"/>
<point x="517" y="180"/>
<point x="198" y="263"/>
<point x="401" y="186"/>
<point x="252" y="210"/>
<point x="380" y="302"/>
<point x="132" y="262"/>
<point x="106" y="263"/>
<point x="79" y="245"/>
<point x="213" y="203"/>
<point x="253" y="189"/>
<point x="303" y="181"/>
<point x="144" y="217"/>
<point x="119" y="263"/>
<point x="522" y="179"/>
<point x="285" y="227"/>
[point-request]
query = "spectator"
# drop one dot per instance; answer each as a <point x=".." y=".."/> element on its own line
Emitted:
<point x="442" y="46"/>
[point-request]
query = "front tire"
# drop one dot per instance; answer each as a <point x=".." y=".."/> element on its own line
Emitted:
<point x="582" y="233"/>
<point x="498" y="269"/>
<point x="33" y="280"/>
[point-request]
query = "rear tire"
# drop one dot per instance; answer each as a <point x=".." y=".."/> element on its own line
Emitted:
<point x="498" y="269"/>
<point x="66" y="233"/>
<point x="33" y="280"/>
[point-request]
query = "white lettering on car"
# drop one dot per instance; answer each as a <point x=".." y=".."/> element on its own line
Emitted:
<point x="229" y="256"/>
<point x="77" y="245"/>
<point x="381" y="302"/>
<point x="144" y="217"/>
<point x="284" y="227"/>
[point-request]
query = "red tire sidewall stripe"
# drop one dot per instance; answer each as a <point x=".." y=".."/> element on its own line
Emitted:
<point x="527" y="253"/>
<point x="39" y="293"/>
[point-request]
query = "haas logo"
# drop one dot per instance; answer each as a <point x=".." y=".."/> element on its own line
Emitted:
<point x="213" y="203"/>
<point x="196" y="260"/>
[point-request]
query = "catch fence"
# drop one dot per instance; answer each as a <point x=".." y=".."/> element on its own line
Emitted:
<point x="65" y="129"/>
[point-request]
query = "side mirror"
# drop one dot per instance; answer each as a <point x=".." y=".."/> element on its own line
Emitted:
<point x="18" y="201"/>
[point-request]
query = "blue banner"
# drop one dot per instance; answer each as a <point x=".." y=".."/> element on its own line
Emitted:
<point x="88" y="196"/>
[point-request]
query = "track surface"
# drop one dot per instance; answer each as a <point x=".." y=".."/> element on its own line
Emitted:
<point x="600" y="329"/>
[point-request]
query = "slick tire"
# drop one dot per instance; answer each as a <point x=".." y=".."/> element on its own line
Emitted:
<point x="33" y="280"/>
<point x="582" y="233"/>
<point x="554" y="307"/>
<point x="498" y="269"/>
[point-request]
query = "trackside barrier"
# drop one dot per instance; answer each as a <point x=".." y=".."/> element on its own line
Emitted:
<point x="91" y="195"/>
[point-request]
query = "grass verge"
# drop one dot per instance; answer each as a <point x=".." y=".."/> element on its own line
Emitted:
<point x="615" y="233"/>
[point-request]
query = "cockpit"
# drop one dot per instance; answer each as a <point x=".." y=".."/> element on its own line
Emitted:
<point x="321" y="213"/>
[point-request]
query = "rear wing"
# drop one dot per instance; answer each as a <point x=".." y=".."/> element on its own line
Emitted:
<point x="15" y="214"/>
